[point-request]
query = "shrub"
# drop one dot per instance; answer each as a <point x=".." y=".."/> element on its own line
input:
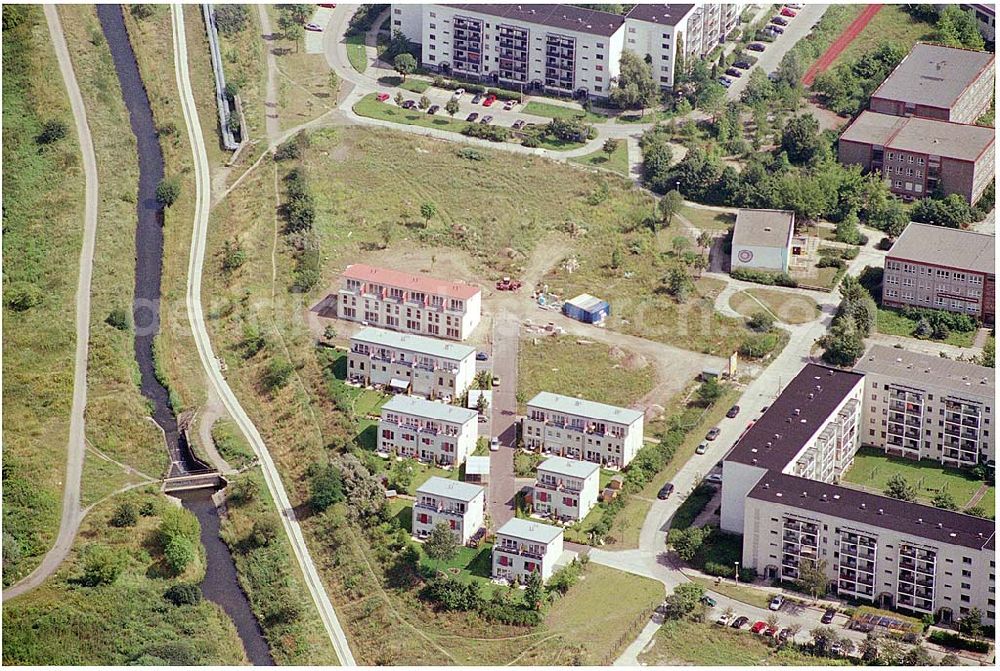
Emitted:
<point x="763" y="277"/>
<point x="23" y="296"/>
<point x="233" y="255"/>
<point x="231" y="19"/>
<point x="179" y="553"/>
<point x="470" y="154"/>
<point x="264" y="532"/>
<point x="177" y="522"/>
<point x="757" y="345"/>
<point x="531" y="142"/>
<point x="52" y="131"/>
<point x="761" y="321"/>
<point x="183" y="594"/>
<point x="486" y="132"/>
<point x="141" y="12"/>
<point x="167" y="192"/>
<point x="101" y="565"/>
<point x="276" y="374"/>
<point x="148" y="508"/>
<point x="125" y="515"/>
<point x="243" y="490"/>
<point x="119" y="319"/>
<point x="831" y="262"/>
<point x="326" y="488"/>
<point x="951" y="640"/>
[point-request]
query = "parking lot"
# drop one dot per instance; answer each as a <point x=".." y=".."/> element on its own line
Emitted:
<point x="440" y="97"/>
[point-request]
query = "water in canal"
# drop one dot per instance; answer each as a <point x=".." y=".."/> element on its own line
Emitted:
<point x="220" y="584"/>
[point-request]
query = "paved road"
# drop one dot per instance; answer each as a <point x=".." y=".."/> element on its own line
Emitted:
<point x="506" y="334"/>
<point x="72" y="514"/>
<point x="208" y="360"/>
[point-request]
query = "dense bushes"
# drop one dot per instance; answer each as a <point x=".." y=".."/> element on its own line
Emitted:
<point x="763" y="277"/>
<point x="183" y="594"/>
<point x="178" y="535"/>
<point x="451" y="84"/>
<point x="364" y="18"/>
<point x="950" y="640"/>
<point x="487" y="132"/>
<point x="231" y="19"/>
<point x="951" y="211"/>
<point x="846" y="88"/>
<point x="300" y="214"/>
<point x="855" y="321"/>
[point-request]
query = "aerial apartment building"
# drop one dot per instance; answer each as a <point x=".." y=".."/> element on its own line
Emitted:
<point x="437" y="433"/>
<point x="585" y="430"/>
<point x="559" y="49"/>
<point x="986" y="18"/>
<point x="925" y="407"/>
<point x="460" y="505"/>
<point x="410" y="364"/>
<point x="942" y="269"/>
<point x="565" y="489"/>
<point x="401" y="301"/>
<point x="938" y="82"/>
<point x="779" y="491"/>
<point x="918" y="156"/>
<point x="523" y="547"/>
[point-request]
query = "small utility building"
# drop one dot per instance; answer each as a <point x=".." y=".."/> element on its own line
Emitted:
<point x="587" y="309"/>
<point x="762" y="240"/>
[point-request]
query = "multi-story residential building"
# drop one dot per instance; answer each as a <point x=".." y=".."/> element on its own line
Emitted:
<point x="986" y="18"/>
<point x="942" y="269"/>
<point x="925" y="407"/>
<point x="762" y="240"/>
<point x="579" y="429"/>
<point x="779" y="491"/>
<point x="460" y="505"/>
<point x="918" y="157"/>
<point x="409" y="303"/>
<point x="430" y="431"/>
<point x="938" y="82"/>
<point x="523" y="547"/>
<point x="410" y="363"/>
<point x="565" y="489"/>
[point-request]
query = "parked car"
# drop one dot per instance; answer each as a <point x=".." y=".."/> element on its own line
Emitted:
<point x="708" y="601"/>
<point x="490" y="99"/>
<point x="777" y="602"/>
<point x="382" y="97"/>
<point x="733" y="411"/>
<point x="409" y="104"/>
<point x="779" y="20"/>
<point x="733" y="72"/>
<point x="714" y="478"/>
<point x="476" y="99"/>
<point x="713" y="433"/>
<point x="488" y="119"/>
<point x="433" y="109"/>
<point x="740" y="622"/>
<point x="756" y="46"/>
<point x="836" y="649"/>
<point x="724" y="620"/>
<point x="314" y="27"/>
<point x="330" y="5"/>
<point x="726" y="81"/>
<point x="472" y="116"/>
<point x="793" y="5"/>
<point x="509" y="105"/>
<point x="494" y="444"/>
<point x="758" y="627"/>
<point x="702" y="448"/>
<point x="518" y="125"/>
<point x="764" y="409"/>
<point x="789" y="12"/>
<point x="496" y="380"/>
<point x="784" y="634"/>
<point x="771" y="632"/>
<point x="458" y="93"/>
<point x="775" y="30"/>
<point x="482" y="356"/>
<point x="828" y="615"/>
<point x="742" y="65"/>
<point x="665" y="491"/>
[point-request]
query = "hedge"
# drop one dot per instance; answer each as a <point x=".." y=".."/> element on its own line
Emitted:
<point x="763" y="277"/>
<point x="951" y="640"/>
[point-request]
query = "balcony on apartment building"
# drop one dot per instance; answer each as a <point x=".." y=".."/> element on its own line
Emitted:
<point x="800" y="525"/>
<point x="856" y="577"/>
<point x="558" y="485"/>
<point x="439" y="508"/>
<point x="518" y="549"/>
<point x="918" y="592"/>
<point x="846" y="586"/>
<point x="898" y="430"/>
<point x="966" y="433"/>
<point x="917" y="577"/>
<point x="910" y="602"/>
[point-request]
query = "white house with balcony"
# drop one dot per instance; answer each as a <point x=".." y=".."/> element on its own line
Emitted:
<point x="460" y="505"/>
<point x="523" y="547"/>
<point x="565" y="489"/>
<point x="432" y="432"/>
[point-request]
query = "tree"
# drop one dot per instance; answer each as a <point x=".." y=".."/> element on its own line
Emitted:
<point x="424" y="102"/>
<point x="669" y="205"/>
<point x="482" y="405"/>
<point x="179" y="553"/>
<point x="950" y="212"/>
<point x="294" y="32"/>
<point x="276" y="374"/>
<point x="361" y="488"/>
<point x="441" y="544"/>
<point x="231" y="19"/>
<point x="427" y="211"/>
<point x="168" y="191"/>
<point x="636" y="87"/>
<point x="52" y="131"/>
<point x="386" y="229"/>
<point x="401" y="474"/>
<point x="812" y="577"/>
<point x="944" y="500"/>
<point x="761" y="322"/>
<point x="917" y="656"/>
<point x="800" y="138"/>
<point x="533" y="590"/>
<point x="847" y="230"/>
<point x="399" y="99"/>
<point x="126" y="515"/>
<point x="610" y="146"/>
<point x="686" y="542"/>
<point x="709" y="392"/>
<point x="972" y="623"/>
<point x="845" y="344"/>
<point x="957" y="28"/>
<point x="451" y="107"/>
<point x="404" y="64"/>
<point x="326" y="487"/>
<point x="679" y="244"/>
<point x="334" y="83"/>
<point x="822" y="639"/>
<point x="898" y="487"/>
<point x="119" y="319"/>
<point x="183" y="594"/>
<point x="483" y="379"/>
<point x="264" y="532"/>
<point x="684" y="600"/>
<point x="102" y="565"/>
<point x="678" y="284"/>
<point x="243" y="489"/>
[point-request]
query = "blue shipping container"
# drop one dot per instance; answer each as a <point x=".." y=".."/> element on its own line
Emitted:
<point x="587" y="309"/>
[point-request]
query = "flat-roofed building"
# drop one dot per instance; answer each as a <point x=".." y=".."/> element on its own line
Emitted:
<point x="579" y="429"/>
<point x="430" y="431"/>
<point x="565" y="489"/>
<point x="938" y="82"/>
<point x="460" y="505"/>
<point x="942" y="269"/>
<point x="925" y="407"/>
<point x="917" y="157"/>
<point x="762" y="240"/>
<point x="410" y="363"/>
<point x="523" y="547"/>
<point x="477" y="470"/>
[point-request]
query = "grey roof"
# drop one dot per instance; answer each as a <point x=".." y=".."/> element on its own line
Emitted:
<point x="664" y="15"/>
<point x="452" y="489"/>
<point x="563" y="17"/>
<point x="413" y="405"/>
<point x="807" y="401"/>
<point x="913" y="519"/>
<point x="588" y="302"/>
<point x="933" y="75"/>
<point x="942" y="246"/>
<point x="924" y="370"/>
<point x="546" y="400"/>
<point x="535" y="532"/>
<point x="477" y="466"/>
<point x="414" y="343"/>
<point x="764" y="228"/>
<point x="921" y="136"/>
<point x="573" y="468"/>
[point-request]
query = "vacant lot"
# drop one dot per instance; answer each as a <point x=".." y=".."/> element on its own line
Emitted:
<point x="891" y="322"/>
<point x="617" y="161"/>
<point x="708" y="220"/>
<point x="784" y="306"/>
<point x="561" y="112"/>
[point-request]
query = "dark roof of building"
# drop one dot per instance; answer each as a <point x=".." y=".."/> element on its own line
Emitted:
<point x="914" y="519"/>
<point x="941" y="246"/>
<point x="664" y="15"/>
<point x="798" y="413"/>
<point x="934" y="75"/>
<point x="563" y="17"/>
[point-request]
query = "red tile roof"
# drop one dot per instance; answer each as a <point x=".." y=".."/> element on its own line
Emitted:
<point x="409" y="281"/>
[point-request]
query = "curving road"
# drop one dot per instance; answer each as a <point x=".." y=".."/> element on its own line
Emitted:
<point x="72" y="514"/>
<point x="208" y="360"/>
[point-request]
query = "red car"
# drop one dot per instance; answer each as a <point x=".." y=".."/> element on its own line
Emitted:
<point x="490" y="99"/>
<point x="328" y="5"/>
<point x="785" y="11"/>
<point x="382" y="97"/>
<point x="758" y="626"/>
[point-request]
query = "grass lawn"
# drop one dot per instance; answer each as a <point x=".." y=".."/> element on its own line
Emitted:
<point x="891" y="322"/>
<point x="412" y="85"/>
<point x="741" y="593"/>
<point x="872" y="469"/>
<point x="356" y="52"/>
<point x="370" y="107"/>
<point x="231" y="444"/>
<point x="560" y="112"/>
<point x="891" y="24"/>
<point x="708" y="220"/>
<point x="704" y="644"/>
<point x="599" y="159"/>
<point x="584" y="368"/>
<point x="787" y="307"/>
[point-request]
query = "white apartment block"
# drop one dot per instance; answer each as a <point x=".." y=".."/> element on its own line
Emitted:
<point x="430" y="431"/>
<point x="460" y="505"/>
<point x="410" y="364"/>
<point x="925" y="407"/>
<point x="523" y="547"/>
<point x="401" y="301"/>
<point x="585" y="430"/>
<point x="565" y="489"/>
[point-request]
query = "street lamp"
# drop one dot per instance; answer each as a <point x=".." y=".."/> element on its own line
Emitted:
<point x="737" y="572"/>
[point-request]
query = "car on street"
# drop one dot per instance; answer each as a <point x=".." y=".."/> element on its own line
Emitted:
<point x="490" y="99"/>
<point x="409" y="104"/>
<point x="472" y="116"/>
<point x="740" y="622"/>
<point x="724" y="620"/>
<point x="314" y="28"/>
<point x="828" y="615"/>
<point x="726" y="81"/>
<point x="482" y="356"/>
<point x="779" y="20"/>
<point x="713" y="433"/>
<point x="509" y="105"/>
<point x="433" y="109"/>
<point x="714" y="478"/>
<point x="756" y="46"/>
<point x="734" y="72"/>
<point x="330" y="5"/>
<point x="733" y="411"/>
<point x="708" y="601"/>
<point x="488" y="119"/>
<point x="382" y="97"/>
<point x="665" y="491"/>
<point x="496" y="380"/>
<point x="494" y="444"/>
<point x="476" y="99"/>
<point x="758" y="627"/>
<point x="518" y="125"/>
<point x="777" y="602"/>
<point x="742" y="65"/>
<point x="702" y="448"/>
<point x="789" y="12"/>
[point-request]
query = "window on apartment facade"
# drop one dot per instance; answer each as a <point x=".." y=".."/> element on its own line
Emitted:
<point x="889" y="155"/>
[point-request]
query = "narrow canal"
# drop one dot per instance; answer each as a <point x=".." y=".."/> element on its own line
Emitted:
<point x="220" y="584"/>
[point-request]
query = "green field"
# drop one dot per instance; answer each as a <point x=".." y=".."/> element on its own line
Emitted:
<point x="617" y="162"/>
<point x="708" y="220"/>
<point x="785" y="306"/>
<point x="370" y="107"/>
<point x="891" y="322"/>
<point x="561" y="112"/>
<point x="356" y="52"/>
<point x="891" y="24"/>
<point x="412" y="85"/>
